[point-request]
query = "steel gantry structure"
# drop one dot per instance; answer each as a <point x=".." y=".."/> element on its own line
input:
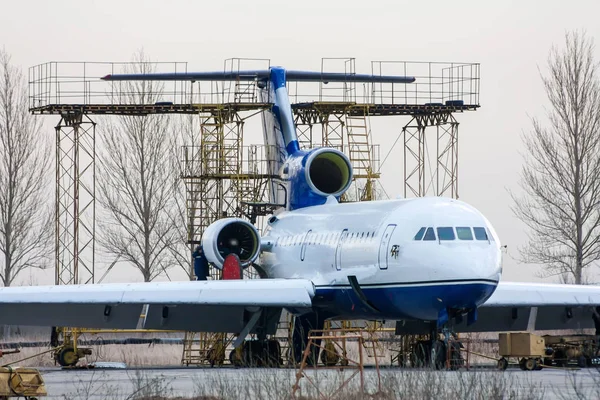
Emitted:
<point x="226" y="176"/>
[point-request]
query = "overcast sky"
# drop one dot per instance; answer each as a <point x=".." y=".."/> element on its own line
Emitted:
<point x="511" y="40"/>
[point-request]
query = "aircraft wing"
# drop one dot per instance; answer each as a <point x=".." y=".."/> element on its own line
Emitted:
<point x="200" y="306"/>
<point x="536" y="306"/>
<point x="520" y="307"/>
<point x="291" y="76"/>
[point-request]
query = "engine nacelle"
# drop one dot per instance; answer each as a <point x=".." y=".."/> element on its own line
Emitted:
<point x="231" y="235"/>
<point x="315" y="175"/>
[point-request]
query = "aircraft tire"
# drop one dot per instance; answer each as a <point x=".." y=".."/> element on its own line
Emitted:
<point x="438" y="355"/>
<point x="252" y="354"/>
<point x="235" y="359"/>
<point x="419" y="358"/>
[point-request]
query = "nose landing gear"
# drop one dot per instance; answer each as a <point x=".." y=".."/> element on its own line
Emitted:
<point x="441" y="350"/>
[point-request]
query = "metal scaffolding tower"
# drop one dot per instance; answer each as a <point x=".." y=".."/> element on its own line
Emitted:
<point x="431" y="169"/>
<point x="75" y="200"/>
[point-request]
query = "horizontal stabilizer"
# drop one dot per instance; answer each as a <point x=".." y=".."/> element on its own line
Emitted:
<point x="293" y="76"/>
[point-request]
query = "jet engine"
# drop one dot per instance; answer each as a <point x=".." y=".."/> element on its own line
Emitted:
<point x="231" y="235"/>
<point x="317" y="174"/>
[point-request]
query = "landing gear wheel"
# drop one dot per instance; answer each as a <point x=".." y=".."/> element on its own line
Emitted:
<point x="419" y="356"/>
<point x="530" y="364"/>
<point x="502" y="364"/>
<point x="235" y="359"/>
<point x="438" y="355"/>
<point x="252" y="354"/>
<point x="66" y="356"/>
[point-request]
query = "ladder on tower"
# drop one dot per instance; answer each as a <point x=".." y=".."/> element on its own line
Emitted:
<point x="201" y="348"/>
<point x="359" y="147"/>
<point x="360" y="152"/>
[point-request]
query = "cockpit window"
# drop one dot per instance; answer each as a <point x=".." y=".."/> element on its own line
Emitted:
<point x="445" y="233"/>
<point x="480" y="233"/>
<point x="429" y="234"/>
<point x="464" y="233"/>
<point x="420" y="234"/>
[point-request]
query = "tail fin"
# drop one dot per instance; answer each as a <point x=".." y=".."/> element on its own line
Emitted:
<point x="282" y="110"/>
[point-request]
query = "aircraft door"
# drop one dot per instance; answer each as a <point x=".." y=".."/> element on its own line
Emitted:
<point x="383" y="246"/>
<point x="338" y="250"/>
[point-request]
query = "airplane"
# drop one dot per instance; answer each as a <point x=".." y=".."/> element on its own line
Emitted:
<point x="430" y="263"/>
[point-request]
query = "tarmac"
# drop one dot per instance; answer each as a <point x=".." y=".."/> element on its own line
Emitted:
<point x="232" y="383"/>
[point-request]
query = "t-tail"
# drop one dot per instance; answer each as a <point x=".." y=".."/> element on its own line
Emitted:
<point x="313" y="175"/>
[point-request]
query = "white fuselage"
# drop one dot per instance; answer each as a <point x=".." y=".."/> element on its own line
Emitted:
<point x="375" y="242"/>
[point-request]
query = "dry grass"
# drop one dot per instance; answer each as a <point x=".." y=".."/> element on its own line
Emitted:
<point x="397" y="384"/>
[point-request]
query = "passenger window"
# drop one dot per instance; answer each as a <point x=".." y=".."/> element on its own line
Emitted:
<point x="464" y="233"/>
<point x="445" y="233"/>
<point x="420" y="234"/>
<point x="480" y="233"/>
<point x="429" y="234"/>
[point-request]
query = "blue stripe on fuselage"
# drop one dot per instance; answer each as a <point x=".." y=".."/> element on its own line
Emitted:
<point x="404" y="301"/>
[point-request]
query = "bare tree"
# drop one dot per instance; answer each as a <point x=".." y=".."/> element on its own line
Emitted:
<point x="137" y="181"/>
<point x="187" y="135"/>
<point x="561" y="174"/>
<point x="25" y="215"/>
